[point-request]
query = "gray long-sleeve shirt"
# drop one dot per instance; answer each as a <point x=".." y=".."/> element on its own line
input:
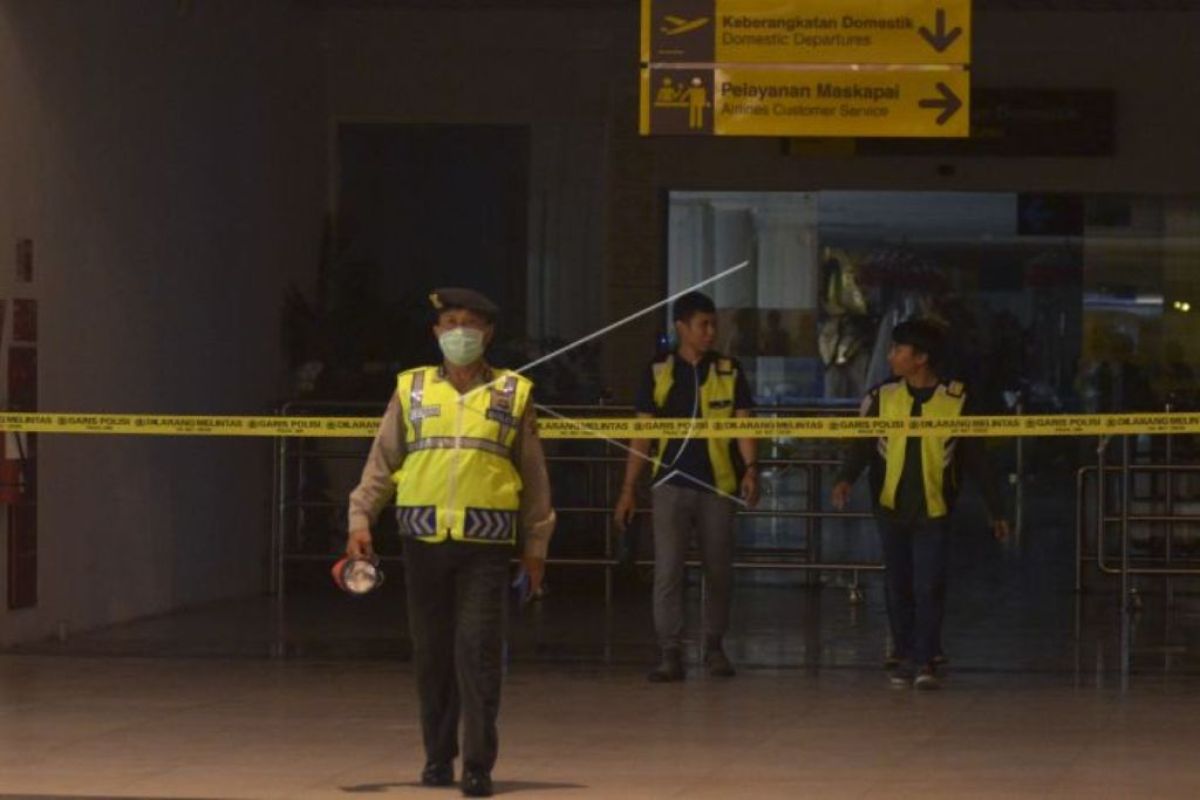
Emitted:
<point x="376" y="486"/>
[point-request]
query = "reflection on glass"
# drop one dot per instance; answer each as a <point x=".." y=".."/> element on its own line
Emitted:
<point x="1066" y="302"/>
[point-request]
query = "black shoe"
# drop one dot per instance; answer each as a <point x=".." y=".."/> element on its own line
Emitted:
<point x="437" y="773"/>
<point x="670" y="669"/>
<point x="476" y="783"/>
<point x="719" y="665"/>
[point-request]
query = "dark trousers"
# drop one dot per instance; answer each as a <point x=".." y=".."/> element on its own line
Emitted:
<point x="456" y="612"/>
<point x="914" y="555"/>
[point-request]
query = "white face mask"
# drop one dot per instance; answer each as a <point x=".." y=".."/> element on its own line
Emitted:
<point x="462" y="346"/>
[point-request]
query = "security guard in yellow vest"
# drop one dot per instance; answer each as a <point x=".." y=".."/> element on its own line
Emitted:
<point x="696" y="483"/>
<point x="914" y="483"/>
<point x="458" y="448"/>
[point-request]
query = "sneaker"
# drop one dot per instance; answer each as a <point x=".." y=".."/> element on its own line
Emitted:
<point x="670" y="669"/>
<point x="927" y="679"/>
<point x="901" y="675"/>
<point x="719" y="665"/>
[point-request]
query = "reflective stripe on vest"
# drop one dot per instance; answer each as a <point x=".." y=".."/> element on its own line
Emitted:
<point x="716" y="402"/>
<point x="449" y="443"/>
<point x="458" y="480"/>
<point x="937" y="452"/>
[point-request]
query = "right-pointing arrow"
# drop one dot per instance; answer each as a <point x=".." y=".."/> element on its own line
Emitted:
<point x="940" y="39"/>
<point x="948" y="102"/>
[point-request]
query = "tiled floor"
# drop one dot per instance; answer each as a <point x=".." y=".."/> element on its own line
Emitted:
<point x="315" y="700"/>
<point x="217" y="728"/>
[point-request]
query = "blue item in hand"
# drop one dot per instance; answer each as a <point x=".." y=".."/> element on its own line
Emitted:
<point x="522" y="587"/>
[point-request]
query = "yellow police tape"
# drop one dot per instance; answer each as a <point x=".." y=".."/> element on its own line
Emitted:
<point x="620" y="428"/>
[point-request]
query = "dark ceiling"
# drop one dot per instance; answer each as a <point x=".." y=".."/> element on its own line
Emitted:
<point x="1078" y="6"/>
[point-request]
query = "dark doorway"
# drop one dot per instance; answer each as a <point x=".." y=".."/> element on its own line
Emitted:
<point x="421" y="206"/>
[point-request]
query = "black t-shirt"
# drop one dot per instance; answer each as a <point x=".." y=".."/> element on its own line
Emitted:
<point x="685" y="462"/>
<point x="910" y="494"/>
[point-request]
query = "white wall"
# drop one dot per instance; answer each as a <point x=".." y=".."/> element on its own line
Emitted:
<point x="169" y="166"/>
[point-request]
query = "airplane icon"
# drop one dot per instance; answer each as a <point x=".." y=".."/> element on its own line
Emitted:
<point x="678" y="25"/>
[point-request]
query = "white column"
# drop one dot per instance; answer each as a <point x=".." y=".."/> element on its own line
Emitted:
<point x="786" y="254"/>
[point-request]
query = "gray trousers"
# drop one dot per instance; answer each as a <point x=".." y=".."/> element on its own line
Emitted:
<point x="678" y="511"/>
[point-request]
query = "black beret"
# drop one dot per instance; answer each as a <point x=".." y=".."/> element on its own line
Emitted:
<point x="471" y="300"/>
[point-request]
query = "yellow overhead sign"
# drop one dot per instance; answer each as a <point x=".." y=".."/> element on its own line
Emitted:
<point x="804" y="102"/>
<point x="806" y="31"/>
<point x="801" y="68"/>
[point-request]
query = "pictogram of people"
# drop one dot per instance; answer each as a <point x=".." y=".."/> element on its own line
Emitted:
<point x="668" y="95"/>
<point x="693" y="96"/>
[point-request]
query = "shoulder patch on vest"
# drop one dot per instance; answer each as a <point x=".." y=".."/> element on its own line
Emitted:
<point x="504" y="376"/>
<point x="724" y="366"/>
<point x="955" y="388"/>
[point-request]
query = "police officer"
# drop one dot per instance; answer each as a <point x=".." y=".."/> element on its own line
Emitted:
<point x="914" y="483"/>
<point x="458" y="447"/>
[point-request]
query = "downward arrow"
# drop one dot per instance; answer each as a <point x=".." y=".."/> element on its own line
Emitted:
<point x="941" y="38"/>
<point x="949" y="103"/>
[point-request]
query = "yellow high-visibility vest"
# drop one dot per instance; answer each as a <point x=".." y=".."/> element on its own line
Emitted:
<point x="937" y="452"/>
<point x="716" y="402"/>
<point x="458" y="480"/>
